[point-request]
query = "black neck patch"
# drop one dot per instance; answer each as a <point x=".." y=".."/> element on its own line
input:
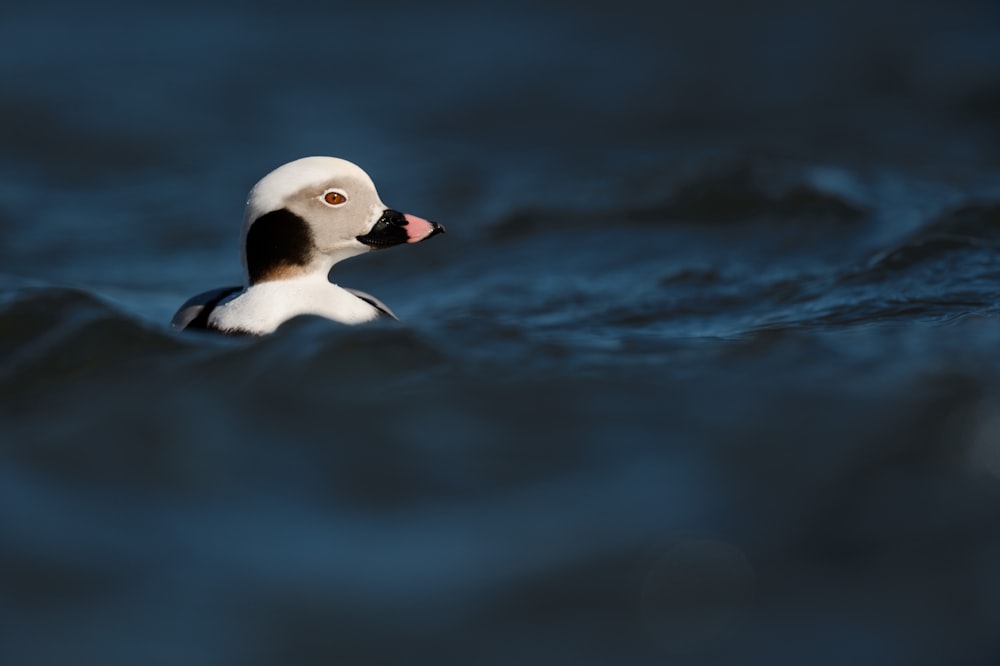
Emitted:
<point x="277" y="240"/>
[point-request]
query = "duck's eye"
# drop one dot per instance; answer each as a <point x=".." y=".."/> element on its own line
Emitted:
<point x="334" y="198"/>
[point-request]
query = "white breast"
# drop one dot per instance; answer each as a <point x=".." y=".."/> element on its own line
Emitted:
<point x="265" y="306"/>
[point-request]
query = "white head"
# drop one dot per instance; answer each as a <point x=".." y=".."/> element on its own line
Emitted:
<point x="307" y="215"/>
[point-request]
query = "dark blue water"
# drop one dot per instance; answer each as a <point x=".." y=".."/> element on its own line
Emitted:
<point x="705" y="371"/>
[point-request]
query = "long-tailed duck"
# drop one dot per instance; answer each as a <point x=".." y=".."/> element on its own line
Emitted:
<point x="300" y="220"/>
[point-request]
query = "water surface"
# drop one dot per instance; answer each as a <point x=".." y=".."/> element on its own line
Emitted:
<point x="704" y="372"/>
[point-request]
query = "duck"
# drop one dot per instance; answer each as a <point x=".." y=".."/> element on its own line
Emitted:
<point x="300" y="220"/>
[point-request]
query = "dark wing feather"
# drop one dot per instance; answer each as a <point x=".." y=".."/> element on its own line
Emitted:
<point x="195" y="311"/>
<point x="383" y="309"/>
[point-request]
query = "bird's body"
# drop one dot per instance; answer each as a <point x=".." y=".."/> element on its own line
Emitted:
<point x="300" y="220"/>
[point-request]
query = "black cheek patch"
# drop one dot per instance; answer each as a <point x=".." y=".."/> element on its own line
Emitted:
<point x="277" y="240"/>
<point x="388" y="231"/>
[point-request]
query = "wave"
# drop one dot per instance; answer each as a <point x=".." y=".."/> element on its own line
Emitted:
<point x="57" y="339"/>
<point x="747" y="192"/>
<point x="973" y="227"/>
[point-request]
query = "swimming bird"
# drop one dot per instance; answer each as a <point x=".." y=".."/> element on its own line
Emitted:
<point x="300" y="220"/>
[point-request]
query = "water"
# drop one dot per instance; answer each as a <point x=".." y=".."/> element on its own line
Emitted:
<point x="704" y="371"/>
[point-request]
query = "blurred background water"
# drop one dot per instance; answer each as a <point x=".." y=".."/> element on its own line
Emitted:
<point x="704" y="372"/>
